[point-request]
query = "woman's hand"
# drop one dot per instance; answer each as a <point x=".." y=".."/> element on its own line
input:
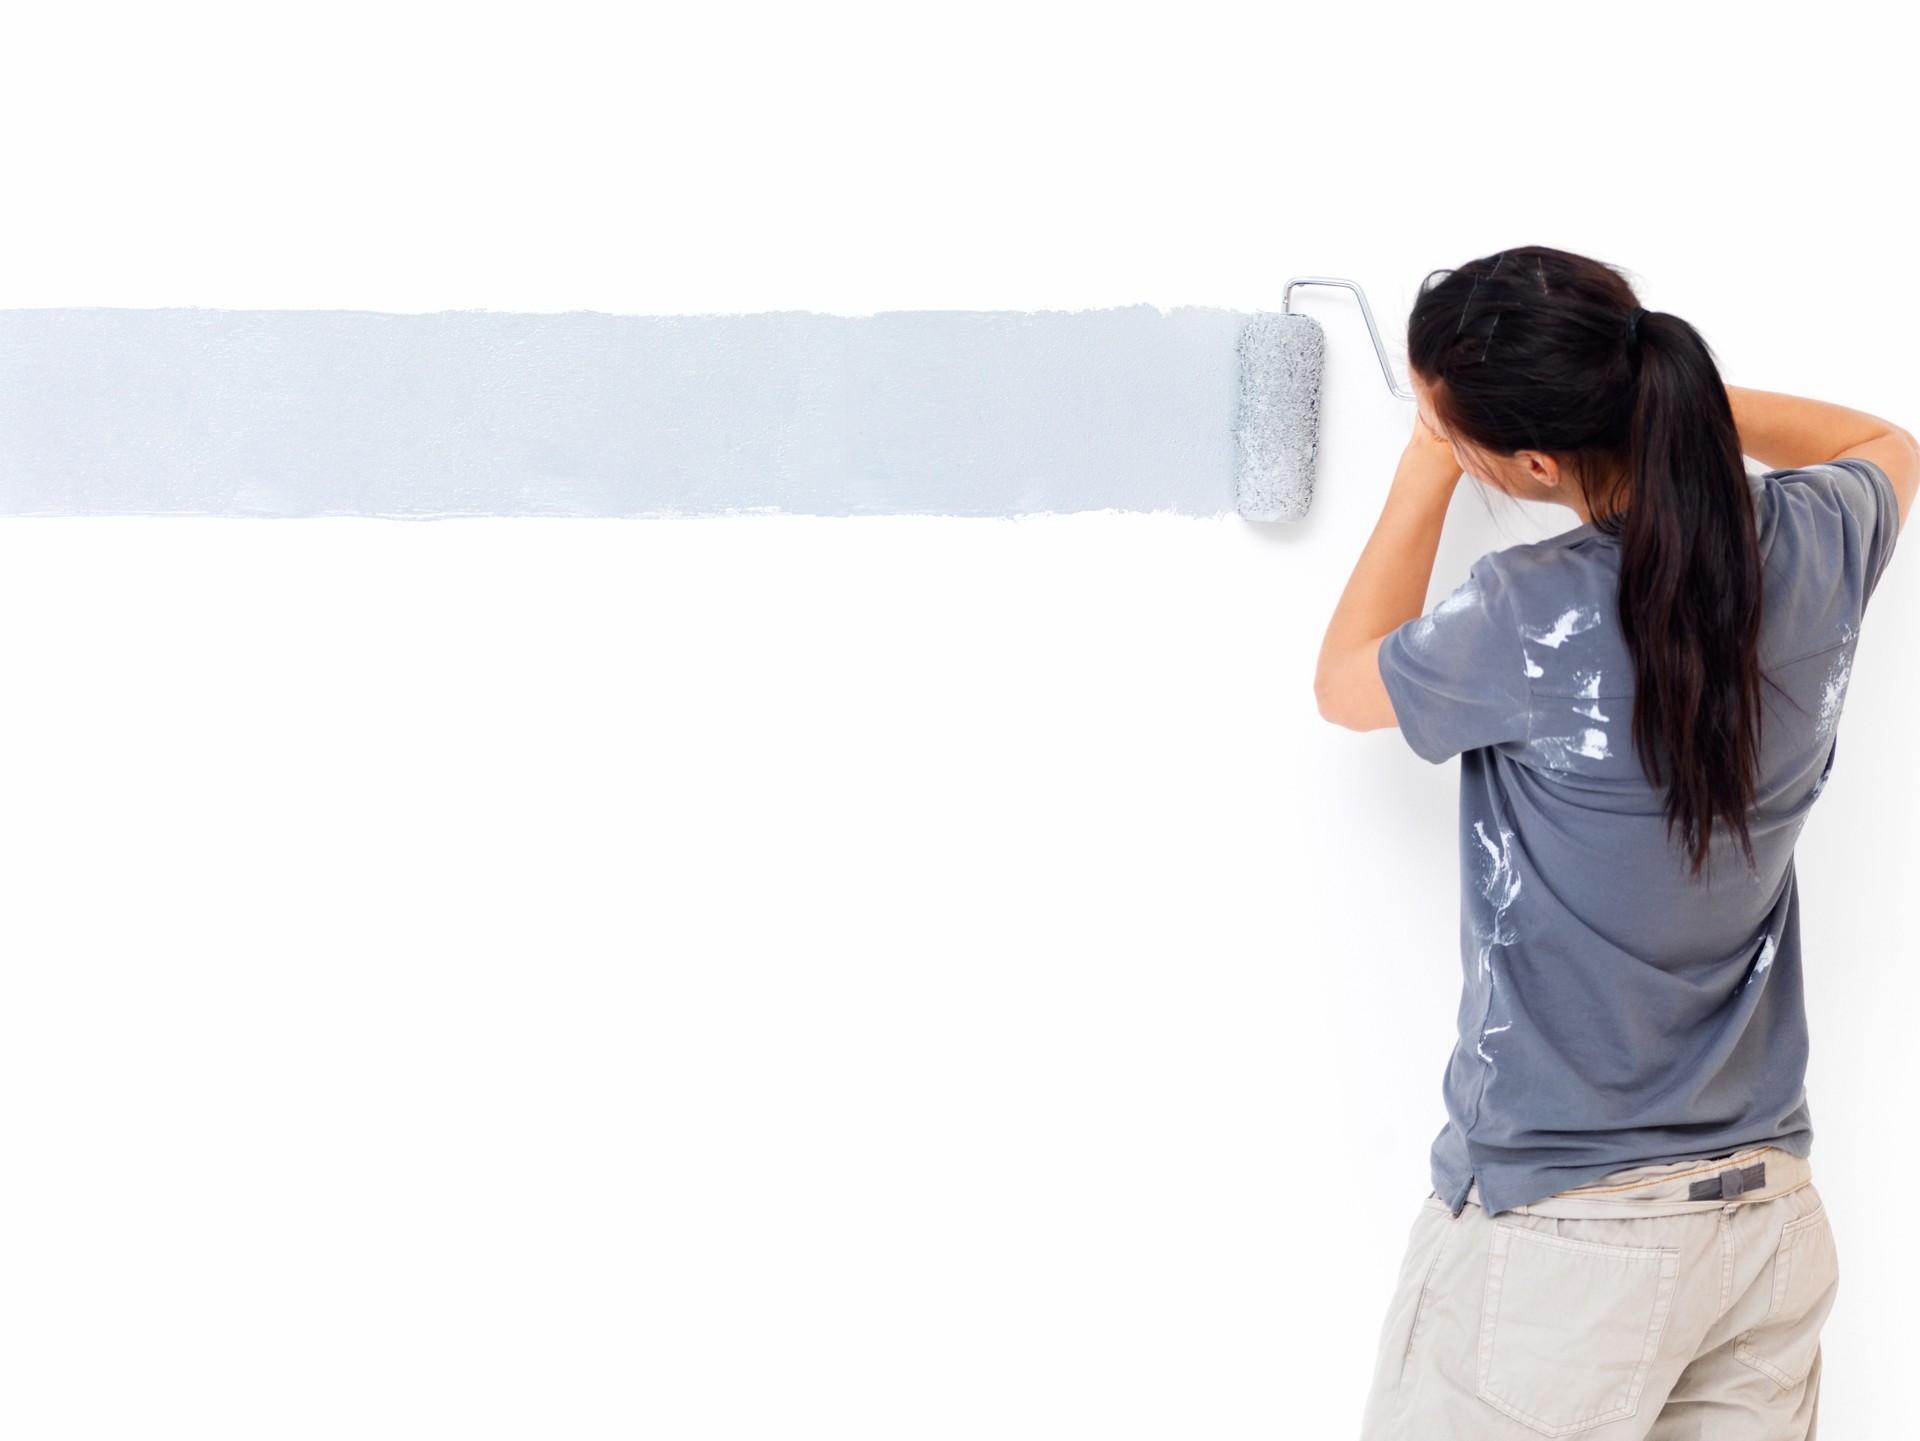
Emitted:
<point x="1428" y="459"/>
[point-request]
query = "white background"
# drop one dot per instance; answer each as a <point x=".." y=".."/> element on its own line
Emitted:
<point x="872" y="978"/>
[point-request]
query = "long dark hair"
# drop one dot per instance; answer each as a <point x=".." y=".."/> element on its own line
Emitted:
<point x="1529" y="350"/>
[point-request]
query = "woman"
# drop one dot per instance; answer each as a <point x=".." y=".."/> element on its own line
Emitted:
<point x="1623" y="1240"/>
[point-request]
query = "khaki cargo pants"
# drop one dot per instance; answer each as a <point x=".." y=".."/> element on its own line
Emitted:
<point x="1661" y="1303"/>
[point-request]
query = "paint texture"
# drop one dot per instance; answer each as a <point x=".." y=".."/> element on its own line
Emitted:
<point x="301" y="413"/>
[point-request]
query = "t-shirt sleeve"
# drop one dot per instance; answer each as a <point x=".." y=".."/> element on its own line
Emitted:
<point x="1871" y="511"/>
<point x="1457" y="675"/>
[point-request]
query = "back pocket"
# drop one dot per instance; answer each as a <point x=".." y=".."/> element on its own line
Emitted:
<point x="1806" y="1276"/>
<point x="1569" y="1328"/>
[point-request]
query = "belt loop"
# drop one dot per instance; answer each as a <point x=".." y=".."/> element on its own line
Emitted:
<point x="1730" y="1183"/>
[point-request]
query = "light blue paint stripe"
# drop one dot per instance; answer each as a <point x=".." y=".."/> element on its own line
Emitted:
<point x="330" y="412"/>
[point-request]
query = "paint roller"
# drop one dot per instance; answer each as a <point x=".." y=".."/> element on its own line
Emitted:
<point x="1277" y="431"/>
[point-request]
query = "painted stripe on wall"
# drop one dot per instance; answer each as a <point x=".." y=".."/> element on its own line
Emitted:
<point x="327" y="412"/>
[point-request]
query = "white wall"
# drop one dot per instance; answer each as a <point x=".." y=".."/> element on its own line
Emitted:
<point x="866" y="977"/>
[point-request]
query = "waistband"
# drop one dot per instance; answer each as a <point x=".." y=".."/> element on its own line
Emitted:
<point x="1675" y="1188"/>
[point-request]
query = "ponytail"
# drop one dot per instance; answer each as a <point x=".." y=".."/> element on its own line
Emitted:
<point x="1690" y="589"/>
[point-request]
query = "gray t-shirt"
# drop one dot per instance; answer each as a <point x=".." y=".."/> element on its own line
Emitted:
<point x="1617" y="1012"/>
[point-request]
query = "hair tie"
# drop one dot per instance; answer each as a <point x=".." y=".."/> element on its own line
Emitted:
<point x="1633" y="327"/>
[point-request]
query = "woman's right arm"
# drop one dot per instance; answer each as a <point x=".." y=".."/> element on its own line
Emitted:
<point x="1782" y="431"/>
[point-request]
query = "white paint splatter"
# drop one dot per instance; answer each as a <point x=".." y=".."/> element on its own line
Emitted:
<point x="1532" y="671"/>
<point x="1571" y="623"/>
<point x="1499" y="886"/>
<point x="1590" y="688"/>
<point x="1465" y="595"/>
<point x="1555" y="752"/>
<point x="1835" y="694"/>
<point x="1591" y="743"/>
<point x="1766" y="959"/>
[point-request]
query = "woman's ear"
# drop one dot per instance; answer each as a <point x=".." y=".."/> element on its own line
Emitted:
<point x="1542" y="469"/>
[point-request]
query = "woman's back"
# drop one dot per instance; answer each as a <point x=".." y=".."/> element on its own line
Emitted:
<point x="1616" y="1008"/>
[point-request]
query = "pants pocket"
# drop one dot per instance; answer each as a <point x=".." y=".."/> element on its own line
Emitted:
<point x="1437" y="1209"/>
<point x="1569" y="1328"/>
<point x="1806" y="1278"/>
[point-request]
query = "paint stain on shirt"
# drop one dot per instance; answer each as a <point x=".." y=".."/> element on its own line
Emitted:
<point x="1590" y="688"/>
<point x="1571" y="622"/>
<point x="1556" y="752"/>
<point x="1467" y="595"/>
<point x="1834" y="695"/>
<point x="1500" y="886"/>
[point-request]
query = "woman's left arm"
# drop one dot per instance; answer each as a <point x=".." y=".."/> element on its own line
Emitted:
<point x="1388" y="586"/>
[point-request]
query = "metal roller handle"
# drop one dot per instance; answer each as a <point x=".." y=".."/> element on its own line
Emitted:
<point x="1286" y="303"/>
